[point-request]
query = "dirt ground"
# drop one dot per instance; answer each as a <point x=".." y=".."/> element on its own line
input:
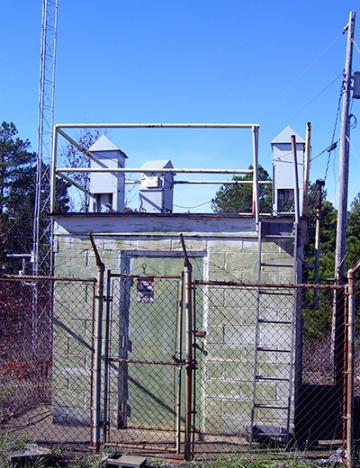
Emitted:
<point x="37" y="426"/>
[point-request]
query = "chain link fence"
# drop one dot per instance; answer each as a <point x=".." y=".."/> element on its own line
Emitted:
<point x="320" y="405"/>
<point x="240" y="366"/>
<point x="45" y="359"/>
<point x="356" y="361"/>
<point x="268" y="366"/>
<point x="247" y="362"/>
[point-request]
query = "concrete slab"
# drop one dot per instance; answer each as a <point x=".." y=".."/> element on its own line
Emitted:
<point x="127" y="461"/>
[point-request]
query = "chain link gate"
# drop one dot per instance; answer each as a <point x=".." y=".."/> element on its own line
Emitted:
<point x="148" y="370"/>
<point x="194" y="368"/>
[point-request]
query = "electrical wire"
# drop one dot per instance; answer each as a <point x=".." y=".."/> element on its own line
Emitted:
<point x="335" y="182"/>
<point x="356" y="46"/>
<point x="353" y="148"/>
<point x="195" y="206"/>
<point x="333" y="144"/>
<point x="354" y="122"/>
<point x="312" y="63"/>
<point x="326" y="150"/>
<point x="312" y="100"/>
<point x="4" y="234"/>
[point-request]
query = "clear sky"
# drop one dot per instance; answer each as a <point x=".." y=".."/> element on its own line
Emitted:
<point x="272" y="62"/>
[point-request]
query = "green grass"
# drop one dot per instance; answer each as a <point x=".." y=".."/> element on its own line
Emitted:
<point x="88" y="461"/>
<point x="8" y="445"/>
<point x="246" y="461"/>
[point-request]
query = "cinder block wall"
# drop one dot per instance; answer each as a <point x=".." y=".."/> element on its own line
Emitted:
<point x="229" y="363"/>
<point x="225" y="375"/>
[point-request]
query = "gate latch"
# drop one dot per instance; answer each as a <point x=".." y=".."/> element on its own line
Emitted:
<point x="200" y="333"/>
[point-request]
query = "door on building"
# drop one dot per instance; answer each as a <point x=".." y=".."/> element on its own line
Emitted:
<point x="149" y="336"/>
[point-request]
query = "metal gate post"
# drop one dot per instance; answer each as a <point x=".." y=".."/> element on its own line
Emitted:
<point x="348" y="395"/>
<point x="189" y="357"/>
<point x="179" y="355"/>
<point x="96" y="358"/>
<point x="106" y="419"/>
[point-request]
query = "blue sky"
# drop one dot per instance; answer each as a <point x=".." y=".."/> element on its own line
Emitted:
<point x="269" y="62"/>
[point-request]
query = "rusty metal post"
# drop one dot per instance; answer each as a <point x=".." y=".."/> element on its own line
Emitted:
<point x="106" y="419"/>
<point x="189" y="358"/>
<point x="307" y="170"/>
<point x="96" y="353"/>
<point x="188" y="314"/>
<point x="348" y="395"/>
<point x="179" y="356"/>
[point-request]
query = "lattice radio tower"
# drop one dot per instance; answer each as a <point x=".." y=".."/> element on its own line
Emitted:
<point x="42" y="227"/>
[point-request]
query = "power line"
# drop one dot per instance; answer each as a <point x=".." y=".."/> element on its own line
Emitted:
<point x="326" y="150"/>
<point x="195" y="206"/>
<point x="333" y="144"/>
<point x="317" y="95"/>
<point x="356" y="47"/>
<point x="311" y="64"/>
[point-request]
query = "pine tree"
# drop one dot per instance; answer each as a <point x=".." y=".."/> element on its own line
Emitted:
<point x="17" y="175"/>
<point x="353" y="242"/>
<point x="327" y="237"/>
<point x="17" y="195"/>
<point x="238" y="198"/>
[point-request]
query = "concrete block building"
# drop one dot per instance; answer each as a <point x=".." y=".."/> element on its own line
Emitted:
<point x="247" y="353"/>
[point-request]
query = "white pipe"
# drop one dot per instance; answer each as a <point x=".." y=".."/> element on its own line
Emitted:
<point x="207" y="182"/>
<point x="150" y="170"/>
<point x="255" y="201"/>
<point x="157" y="125"/>
<point x="53" y="171"/>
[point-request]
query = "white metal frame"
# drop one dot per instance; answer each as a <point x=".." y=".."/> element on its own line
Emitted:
<point x="60" y="172"/>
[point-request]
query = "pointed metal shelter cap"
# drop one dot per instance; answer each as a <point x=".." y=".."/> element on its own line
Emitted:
<point x="285" y="136"/>
<point x="104" y="144"/>
<point x="158" y="164"/>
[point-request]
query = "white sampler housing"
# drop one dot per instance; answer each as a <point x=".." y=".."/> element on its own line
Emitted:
<point x="283" y="171"/>
<point x="157" y="188"/>
<point x="107" y="189"/>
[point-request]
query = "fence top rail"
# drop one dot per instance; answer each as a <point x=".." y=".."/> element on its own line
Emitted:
<point x="47" y="278"/>
<point x="243" y="284"/>
<point x="144" y="276"/>
<point x="158" y="125"/>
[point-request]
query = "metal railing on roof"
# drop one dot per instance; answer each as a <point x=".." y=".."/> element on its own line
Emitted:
<point x="59" y="130"/>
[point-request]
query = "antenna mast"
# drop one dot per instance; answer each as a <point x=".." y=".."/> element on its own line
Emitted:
<point x="42" y="227"/>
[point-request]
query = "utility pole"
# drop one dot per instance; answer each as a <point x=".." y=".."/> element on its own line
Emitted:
<point x="338" y="319"/>
<point x="344" y="156"/>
